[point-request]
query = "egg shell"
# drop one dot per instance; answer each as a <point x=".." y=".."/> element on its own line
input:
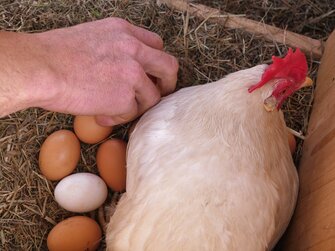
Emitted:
<point x="81" y="192"/>
<point x="76" y="233"/>
<point x="291" y="141"/>
<point x="59" y="154"/>
<point x="88" y="131"/>
<point x="111" y="163"/>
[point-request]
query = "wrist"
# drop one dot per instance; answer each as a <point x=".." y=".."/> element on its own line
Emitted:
<point x="44" y="84"/>
<point x="26" y="78"/>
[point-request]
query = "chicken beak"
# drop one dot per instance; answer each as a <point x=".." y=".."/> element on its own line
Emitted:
<point x="308" y="82"/>
<point x="271" y="103"/>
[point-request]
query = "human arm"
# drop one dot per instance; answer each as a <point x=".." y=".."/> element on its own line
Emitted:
<point x="100" y="68"/>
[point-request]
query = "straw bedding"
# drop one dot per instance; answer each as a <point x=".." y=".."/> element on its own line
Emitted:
<point x="206" y="52"/>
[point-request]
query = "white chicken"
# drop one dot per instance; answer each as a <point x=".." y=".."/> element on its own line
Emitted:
<point x="209" y="169"/>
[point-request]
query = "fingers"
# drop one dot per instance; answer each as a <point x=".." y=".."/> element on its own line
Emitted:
<point x="146" y="96"/>
<point x="160" y="65"/>
<point x="111" y="120"/>
<point x="155" y="61"/>
<point x="132" y="112"/>
<point x="149" y="38"/>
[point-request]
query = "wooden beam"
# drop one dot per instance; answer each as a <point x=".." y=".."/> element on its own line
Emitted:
<point x="313" y="224"/>
<point x="309" y="46"/>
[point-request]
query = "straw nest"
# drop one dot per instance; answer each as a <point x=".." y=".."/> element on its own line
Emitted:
<point x="206" y="52"/>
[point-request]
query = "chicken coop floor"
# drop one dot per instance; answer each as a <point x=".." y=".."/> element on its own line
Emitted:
<point x="206" y="52"/>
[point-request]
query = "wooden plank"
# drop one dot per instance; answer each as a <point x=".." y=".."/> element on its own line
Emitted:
<point x="313" y="224"/>
<point x="312" y="47"/>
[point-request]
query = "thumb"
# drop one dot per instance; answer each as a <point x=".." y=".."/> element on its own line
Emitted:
<point x="113" y="120"/>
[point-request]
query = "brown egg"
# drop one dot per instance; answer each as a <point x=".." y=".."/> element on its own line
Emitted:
<point x="291" y="141"/>
<point x="111" y="162"/>
<point x="76" y="233"/>
<point x="88" y="131"/>
<point x="59" y="154"/>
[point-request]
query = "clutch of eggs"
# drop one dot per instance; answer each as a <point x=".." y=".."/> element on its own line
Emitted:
<point x="81" y="192"/>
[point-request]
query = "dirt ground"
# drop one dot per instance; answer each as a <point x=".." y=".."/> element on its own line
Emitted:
<point x="206" y="52"/>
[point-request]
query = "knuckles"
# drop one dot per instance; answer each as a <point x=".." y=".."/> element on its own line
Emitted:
<point x="117" y="22"/>
<point x="129" y="45"/>
<point x="134" y="70"/>
<point x="174" y="65"/>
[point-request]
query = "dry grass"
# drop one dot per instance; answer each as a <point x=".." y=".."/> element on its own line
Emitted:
<point x="206" y="52"/>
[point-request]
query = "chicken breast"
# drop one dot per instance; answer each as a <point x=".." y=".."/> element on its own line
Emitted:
<point x="208" y="169"/>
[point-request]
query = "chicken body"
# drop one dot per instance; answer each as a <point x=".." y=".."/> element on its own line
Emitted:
<point x="208" y="169"/>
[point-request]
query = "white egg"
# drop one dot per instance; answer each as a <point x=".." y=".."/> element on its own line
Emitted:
<point x="81" y="192"/>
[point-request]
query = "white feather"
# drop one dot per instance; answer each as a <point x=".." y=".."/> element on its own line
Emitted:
<point x="208" y="169"/>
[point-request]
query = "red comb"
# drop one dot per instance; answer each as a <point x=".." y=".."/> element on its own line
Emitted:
<point x="293" y="66"/>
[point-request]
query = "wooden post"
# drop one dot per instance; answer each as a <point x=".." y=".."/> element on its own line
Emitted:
<point x="312" y="47"/>
<point x="313" y="224"/>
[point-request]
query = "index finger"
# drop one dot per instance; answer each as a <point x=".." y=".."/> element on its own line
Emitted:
<point x="147" y="37"/>
<point x="160" y="65"/>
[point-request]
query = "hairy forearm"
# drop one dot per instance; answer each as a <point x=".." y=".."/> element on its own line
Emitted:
<point x="23" y="72"/>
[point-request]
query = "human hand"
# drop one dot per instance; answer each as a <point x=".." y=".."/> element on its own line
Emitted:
<point x="109" y="68"/>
